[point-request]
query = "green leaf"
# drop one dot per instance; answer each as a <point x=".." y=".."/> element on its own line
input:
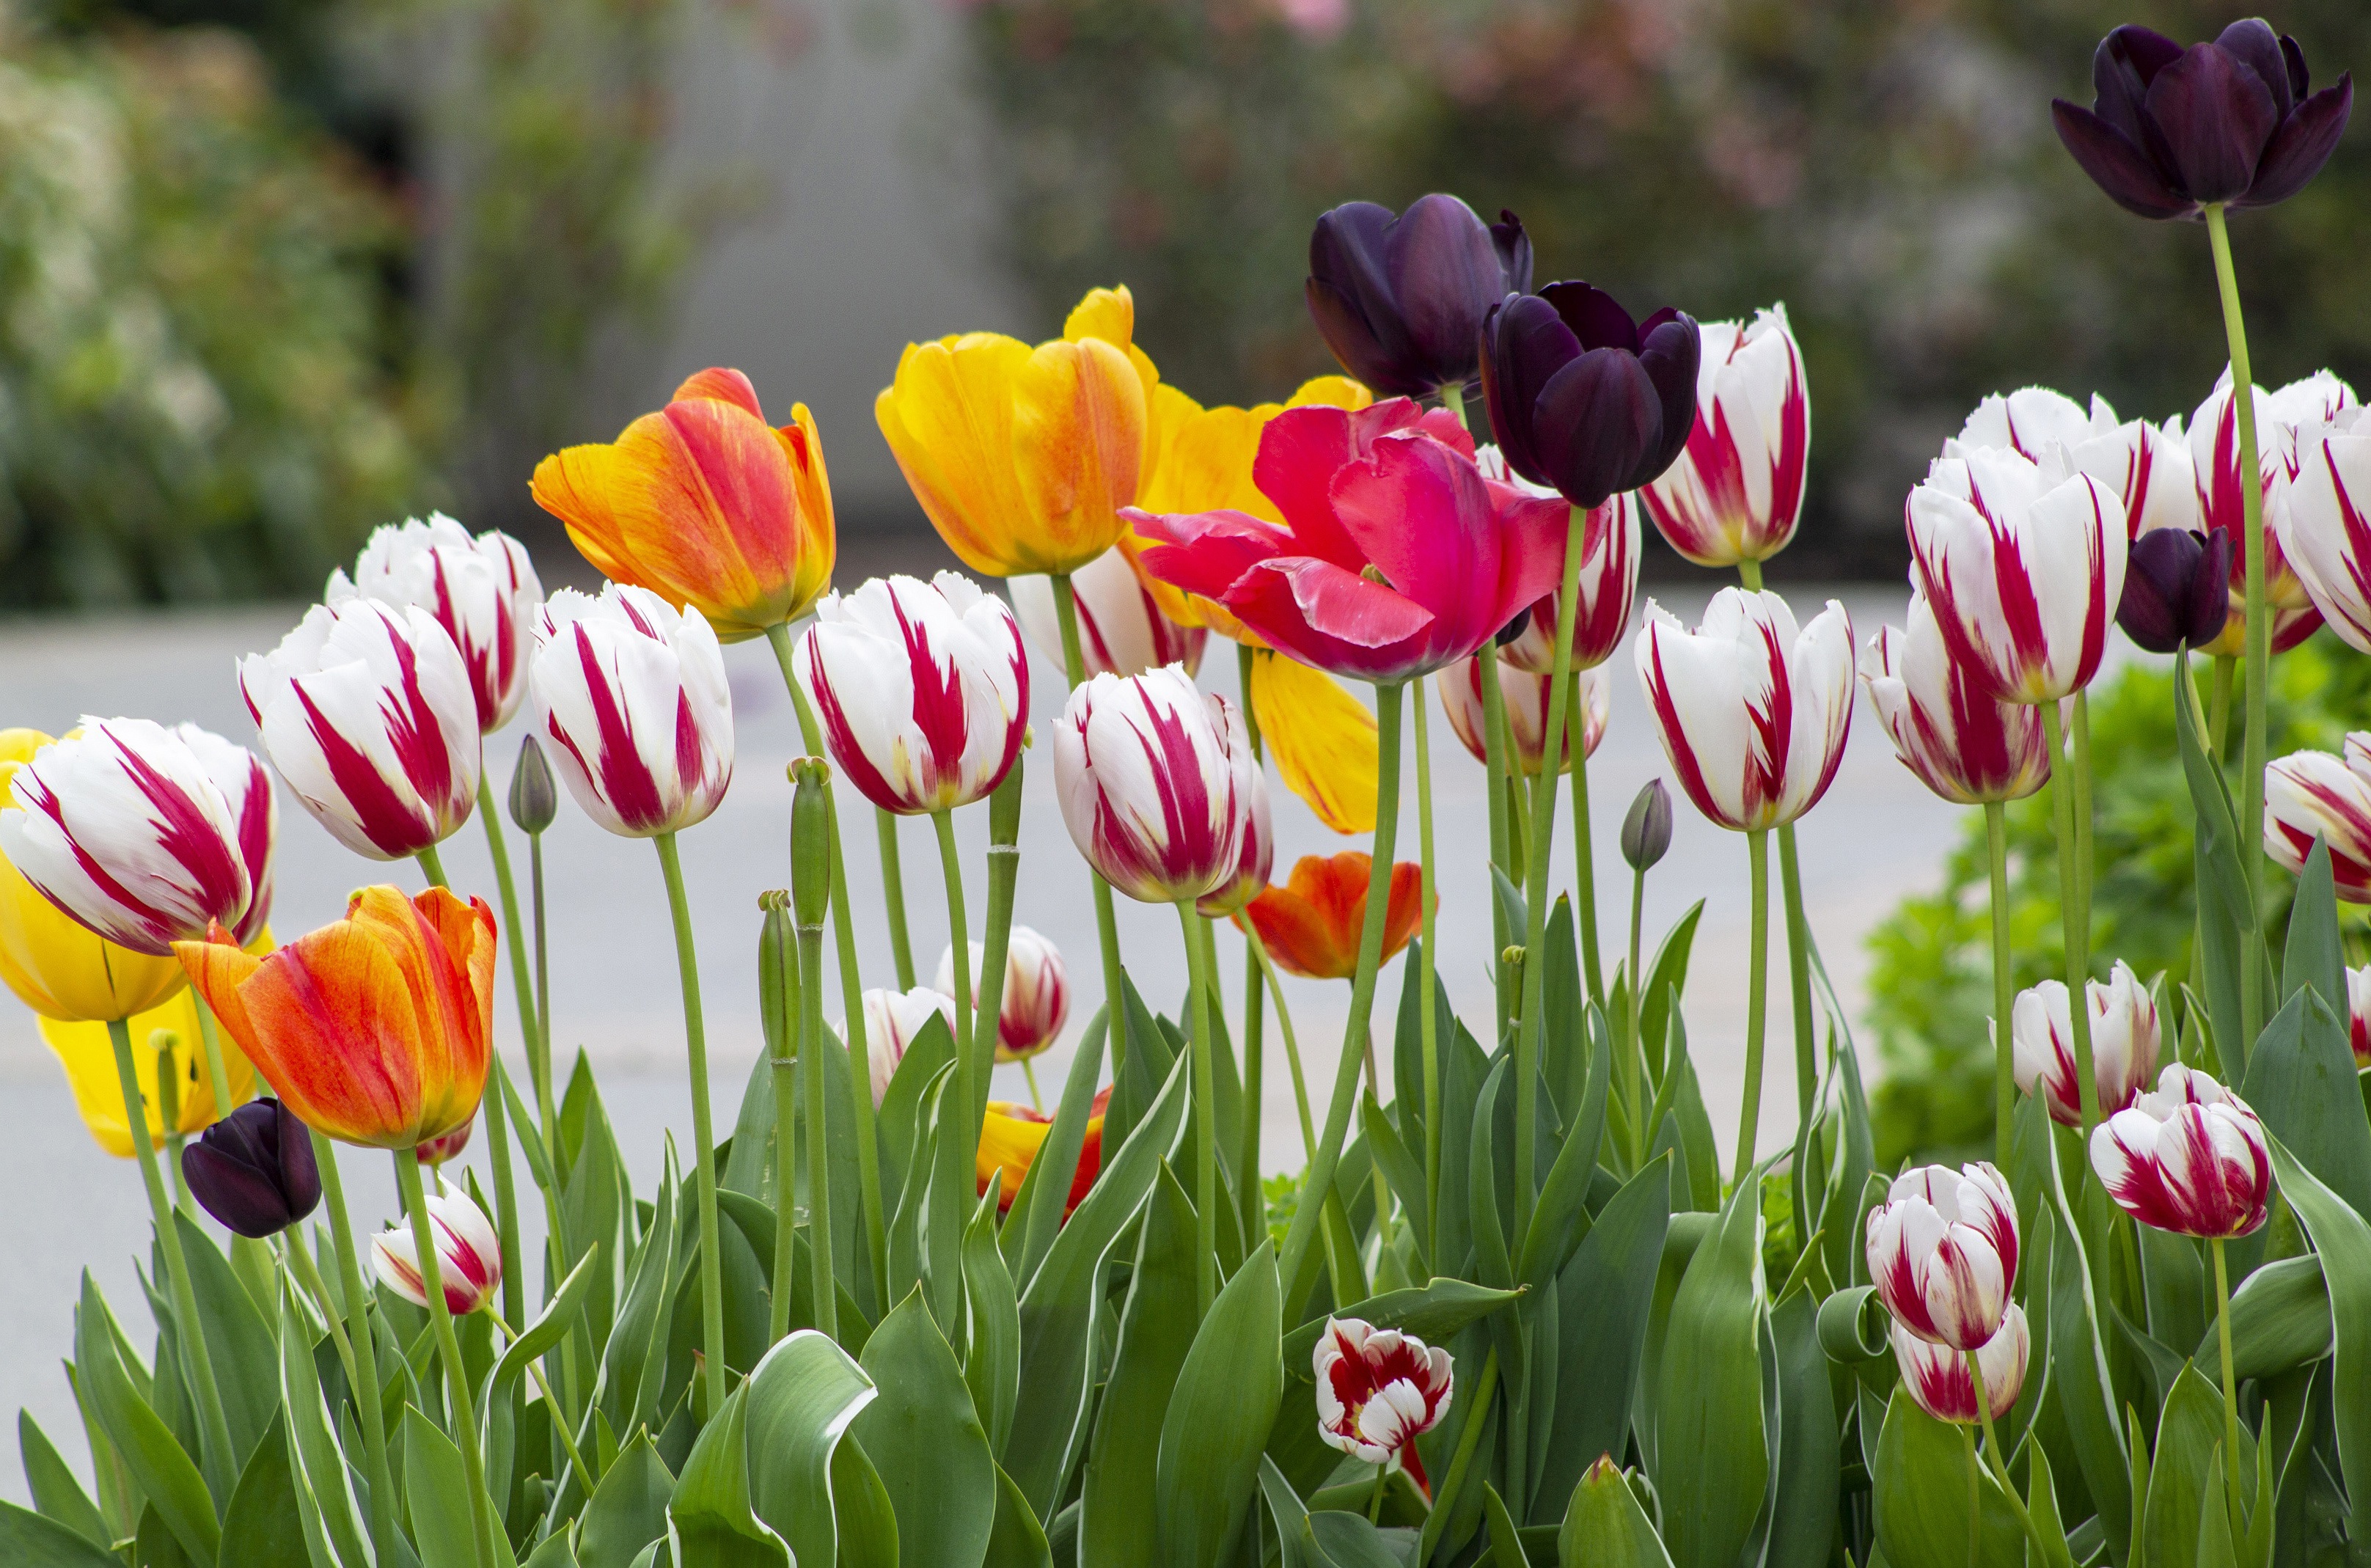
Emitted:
<point x="2078" y="1365"/>
<point x="1219" y="1418"/>
<point x="1115" y="1504"/>
<point x="1036" y="1215"/>
<point x="1807" y="1473"/>
<point x="165" y="1473"/>
<point x="2344" y="1239"/>
<point x="709" y="1522"/>
<point x="1712" y="1455"/>
<point x="262" y="1518"/>
<point x="1349" y="1541"/>
<point x="1852" y="1325"/>
<point x="924" y="1437"/>
<point x="1290" y="1517"/>
<point x="634" y="1358"/>
<point x="549" y="1327"/>
<point x="437" y="1488"/>
<point x="1921" y="1497"/>
<point x="1604" y="1527"/>
<point x="555" y="1552"/>
<point x="56" y="1493"/>
<point x="246" y="1360"/>
<point x="2041" y="1508"/>
<point x="859" y="1504"/>
<point x="1402" y="1167"/>
<point x="2174" y="1282"/>
<point x="1019" y="1540"/>
<point x="2189" y="1431"/>
<point x="1505" y="1545"/>
<point x="1681" y="1124"/>
<point x="992" y="1339"/>
<point x="800" y="1400"/>
<point x="29" y="1540"/>
<point x="902" y="1122"/>
<point x="748" y="1160"/>
<point x="2226" y="915"/>
<point x="2313" y="956"/>
<point x="2212" y="1529"/>
<point x="1667" y="981"/>
<point x="2279" y="1320"/>
<point x="1560" y="1216"/>
<point x="629" y="1508"/>
<point x="325" y="1492"/>
<point x="2301" y="1082"/>
<point x="1606" y="1295"/>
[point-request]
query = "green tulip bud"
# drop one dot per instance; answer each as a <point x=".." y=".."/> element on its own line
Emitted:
<point x="810" y="840"/>
<point x="533" y="801"/>
<point x="1647" y="831"/>
<point x="776" y="974"/>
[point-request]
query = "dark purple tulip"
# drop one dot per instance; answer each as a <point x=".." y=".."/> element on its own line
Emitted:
<point x="1400" y="299"/>
<point x="253" y="1170"/>
<point x="2174" y="129"/>
<point x="1583" y="398"/>
<point x="2177" y="589"/>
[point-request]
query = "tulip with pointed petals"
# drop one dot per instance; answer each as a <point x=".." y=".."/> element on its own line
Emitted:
<point x="483" y="590"/>
<point x="892" y="1020"/>
<point x="2190" y="1157"/>
<point x="1311" y="924"/>
<point x="468" y="1254"/>
<point x="1526" y="697"/>
<point x="1010" y="1139"/>
<point x="1037" y="993"/>
<point x="628" y="694"/>
<point x="2358" y="1014"/>
<point x="1752" y="711"/>
<point x="2176" y="590"/>
<point x="254" y="1170"/>
<point x="1378" y="1391"/>
<point x="1937" y="1375"/>
<point x="1155" y="781"/>
<point x="1122" y="629"/>
<point x="2124" y="1041"/>
<point x="1736" y="491"/>
<point x="2311" y="794"/>
<point x="2282" y="418"/>
<point x="2325" y="532"/>
<point x="1584" y="399"/>
<point x="1961" y="742"/>
<point x="1400" y="300"/>
<point x="1942" y="1253"/>
<point x="2173" y="130"/>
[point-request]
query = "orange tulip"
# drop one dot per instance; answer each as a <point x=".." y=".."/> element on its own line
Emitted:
<point x="376" y="1029"/>
<point x="1011" y="1137"/>
<point x="705" y="505"/>
<point x="1310" y="925"/>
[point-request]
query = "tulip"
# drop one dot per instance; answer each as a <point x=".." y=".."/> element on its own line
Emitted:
<point x="436" y="1151"/>
<point x="2023" y="563"/>
<point x="2325" y="532"/>
<point x="87" y="1054"/>
<point x="1395" y="558"/>
<point x="922" y="687"/>
<point x="1122" y="629"/>
<point x="1753" y="712"/>
<point x="254" y="1170"/>
<point x="1322" y="739"/>
<point x="1942" y="1253"/>
<point x="631" y="695"/>
<point x="1378" y="1391"/>
<point x="892" y="1020"/>
<point x="1010" y="1139"/>
<point x="2284" y="418"/>
<point x="1037" y="993"/>
<point x="369" y="717"/>
<point x="2190" y="1157"/>
<point x="1949" y="730"/>
<point x="2311" y="794"/>
<point x="1735" y="490"/>
<point x="1022" y="457"/>
<point x="2124" y="1041"/>
<point x="468" y="1254"/>
<point x="1311" y="924"/>
<point x="704" y="504"/>
<point x="374" y="1028"/>
<point x="1155" y="779"/>
<point x="2358" y="1014"/>
<point x="1937" y="1375"/>
<point x="1254" y="861"/>
<point x="1583" y="398"/>
<point x="2175" y="130"/>
<point x="483" y="592"/>
<point x="1647" y="830"/>
<point x="2147" y="465"/>
<point x="1400" y="300"/>
<point x="1607" y="590"/>
<point x="1526" y="697"/>
<point x="2176" y="590"/>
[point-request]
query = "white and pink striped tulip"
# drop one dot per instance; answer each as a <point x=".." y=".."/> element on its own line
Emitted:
<point x="923" y="688"/>
<point x="1121" y="629"/>
<point x="630" y="692"/>
<point x="1753" y="712"/>
<point x="1736" y="491"/>
<point x="2311" y="794"/>
<point x="1942" y="1253"/>
<point x="2325" y="532"/>
<point x="1962" y="743"/>
<point x="468" y="1254"/>
<point x="483" y="590"/>
<point x="1378" y="1391"/>
<point x="1607" y="588"/>
<point x="2358" y="1014"/>
<point x="892" y="1020"/>
<point x="1526" y="697"/>
<point x="1254" y="860"/>
<point x="2147" y="465"/>
<point x="1155" y="781"/>
<point x="1936" y="1374"/>
<point x="146" y="835"/>
<point x="1036" y="992"/>
<point x="2282" y="418"/>
<point x="2190" y="1157"/>
<point x="2125" y="1038"/>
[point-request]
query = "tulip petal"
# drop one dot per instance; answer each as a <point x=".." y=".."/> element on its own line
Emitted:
<point x="2216" y="116"/>
<point x="2301" y="146"/>
<point x="1322" y="739"/>
<point x="1604" y="413"/>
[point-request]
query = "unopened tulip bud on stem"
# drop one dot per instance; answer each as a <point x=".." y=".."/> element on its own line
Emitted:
<point x="813" y="847"/>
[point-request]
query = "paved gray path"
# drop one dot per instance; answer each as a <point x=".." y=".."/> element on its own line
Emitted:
<point x="1878" y="836"/>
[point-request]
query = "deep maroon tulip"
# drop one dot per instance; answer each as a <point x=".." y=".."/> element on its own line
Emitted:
<point x="1400" y="300"/>
<point x="2175" y="130"/>
<point x="253" y="1170"/>
<point x="1583" y="398"/>
<point x="2177" y="589"/>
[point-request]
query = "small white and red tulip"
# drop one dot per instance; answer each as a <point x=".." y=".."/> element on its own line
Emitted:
<point x="630" y="692"/>
<point x="148" y="836"/>
<point x="436" y="1151"/>
<point x="1526" y="697"/>
<point x="2325" y="532"/>
<point x="2358" y="1014"/>
<point x="1155" y="779"/>
<point x="1942" y="1253"/>
<point x="2190" y="1157"/>
<point x="1037" y="998"/>
<point x="1962" y="743"/>
<point x="2282" y="418"/>
<point x="1753" y="712"/>
<point x="892" y="1020"/>
<point x="1936" y="1374"/>
<point x="367" y="714"/>
<point x="2125" y="1038"/>
<point x="483" y="590"/>
<point x="2311" y="794"/>
<point x="1121" y="629"/>
<point x="1378" y="1391"/>
<point x="1606" y="589"/>
<point x="469" y="1253"/>
<point x="1736" y="491"/>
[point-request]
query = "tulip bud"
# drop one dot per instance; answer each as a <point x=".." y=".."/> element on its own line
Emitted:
<point x="1647" y="831"/>
<point x="535" y="801"/>
<point x="2189" y="1157"/>
<point x="434" y="1152"/>
<point x="253" y="1171"/>
<point x="777" y="975"/>
<point x="468" y="1254"/>
<point x="2124" y="1040"/>
<point x="1942" y="1253"/>
<point x="810" y="840"/>
<point x="2177" y="589"/>
<point x="1937" y="1375"/>
<point x="2358" y="1014"/>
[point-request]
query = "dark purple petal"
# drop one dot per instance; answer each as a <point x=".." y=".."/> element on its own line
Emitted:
<point x="1445" y="272"/>
<point x="2300" y="79"/>
<point x="1597" y="320"/>
<point x="2114" y="165"/>
<point x="2210" y="591"/>
<point x="1596" y="422"/>
<point x="1514" y="252"/>
<point x="1344" y="328"/>
<point x="1672" y="348"/>
<point x="2216" y="115"/>
<point x="1525" y="344"/>
<point x="2177" y="589"/>
<point x="254" y="1170"/>
<point x="242" y="1198"/>
<point x="2299" y="148"/>
<point x="2253" y="43"/>
<point x="300" y="1175"/>
<point x="2122" y="68"/>
<point x="1350" y="295"/>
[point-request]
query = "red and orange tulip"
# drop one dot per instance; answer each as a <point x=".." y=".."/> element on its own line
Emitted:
<point x="1011" y="1137"/>
<point x="1310" y="925"/>
<point x="376" y="1029"/>
<point x="705" y="505"/>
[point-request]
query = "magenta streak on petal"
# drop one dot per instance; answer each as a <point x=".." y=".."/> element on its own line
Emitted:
<point x="467" y="1263"/>
<point x="840" y="739"/>
<point x="386" y="818"/>
<point x="938" y="712"/>
<point x="2137" y="478"/>
<point x="421" y="745"/>
<point x="1901" y="1295"/>
<point x="1188" y="850"/>
<point x="2142" y="1189"/>
<point x="2020" y="606"/>
<point x="1975" y="746"/>
<point x="1766" y="763"/>
<point x="255" y="850"/>
<point x="1675" y="738"/>
<point x="623" y="776"/>
<point x="2358" y="529"/>
<point x="688" y="774"/>
<point x="43" y="800"/>
<point x="471" y="656"/>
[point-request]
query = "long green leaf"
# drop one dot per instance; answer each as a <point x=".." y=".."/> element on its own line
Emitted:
<point x="437" y="1488"/>
<point x="992" y="1315"/>
<point x="800" y="1400"/>
<point x="325" y="1492"/>
<point x="2301" y="1082"/>
<point x="2181" y="1474"/>
<point x="1712" y="1454"/>
<point x="1805" y="1472"/>
<point x="1036" y="1217"/>
<point x="2313" y="957"/>
<point x="1116" y="1503"/>
<point x="2280" y="1321"/>
<point x="1020" y="1539"/>
<point x="29" y="1540"/>
<point x="1607" y="1293"/>
<point x="2344" y="1239"/>
<point x="710" y="1523"/>
<point x="56" y="1493"/>
<point x="1604" y="1527"/>
<point x="925" y="1440"/>
<point x="1219" y="1418"/>
<point x="155" y="1458"/>
<point x="1921" y="1498"/>
<point x="262" y="1521"/>
<point x="629" y="1508"/>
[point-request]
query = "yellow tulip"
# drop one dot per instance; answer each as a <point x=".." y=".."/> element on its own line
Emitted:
<point x="1321" y="738"/>
<point x="1022" y="457"/>
<point x="88" y="1057"/>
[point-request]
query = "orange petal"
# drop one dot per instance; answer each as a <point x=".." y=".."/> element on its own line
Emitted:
<point x="1078" y="439"/>
<point x="331" y="1022"/>
<point x="725" y="387"/>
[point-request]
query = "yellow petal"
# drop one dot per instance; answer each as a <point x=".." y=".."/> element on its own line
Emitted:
<point x="1321" y="738"/>
<point x="88" y="1057"/>
<point x="1078" y="441"/>
<point x="1331" y="392"/>
<point x="949" y="422"/>
<point x="1110" y="315"/>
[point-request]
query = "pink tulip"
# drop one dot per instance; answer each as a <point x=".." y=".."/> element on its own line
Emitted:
<point x="2125" y="1042"/>
<point x="1527" y="709"/>
<point x="1937" y="1375"/>
<point x="2311" y="794"/>
<point x="1942" y="1253"/>
<point x="468" y="1254"/>
<point x="483" y="590"/>
<point x="1121" y="629"/>
<point x="2282" y="418"/>
<point x="1946" y="727"/>
<point x="2190" y="1157"/>
<point x="1378" y="1391"/>
<point x="1155" y="781"/>
<point x="1736" y="491"/>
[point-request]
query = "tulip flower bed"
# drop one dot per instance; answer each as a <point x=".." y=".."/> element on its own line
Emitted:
<point x="1519" y="1308"/>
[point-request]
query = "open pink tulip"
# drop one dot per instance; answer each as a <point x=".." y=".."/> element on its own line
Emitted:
<point x="1753" y="712"/>
<point x="1942" y="1253"/>
<point x="1936" y="1374"/>
<point x="1948" y="728"/>
<point x="2190" y="1157"/>
<point x="630" y="693"/>
<point x="483" y="590"/>
<point x="2311" y="794"/>
<point x="2282" y="418"/>
<point x="1527" y="709"/>
<point x="1155" y="781"/>
<point x="2325" y="532"/>
<point x="1121" y="629"/>
<point x="2125" y="1042"/>
<point x="468" y="1254"/>
<point x="1378" y="1391"/>
<point x="1396" y="557"/>
<point x="1737" y="489"/>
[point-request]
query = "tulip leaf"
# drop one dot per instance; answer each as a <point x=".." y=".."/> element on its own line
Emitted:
<point x="992" y="1320"/>
<point x="1564" y="1032"/>
<point x="861" y="1508"/>
<point x="1432" y="1312"/>
<point x="241" y="1347"/>
<point x="710" y="1521"/>
<point x="2280" y="1321"/>
<point x="1349" y="1541"/>
<point x="1921" y="1497"/>
<point x="1490" y="1178"/>
<point x="34" y="1540"/>
<point x="2226" y="915"/>
<point x="953" y="1188"/>
<point x="164" y="1472"/>
<point x="2301" y="1082"/>
<point x="1806" y="1470"/>
<point x="325" y="1492"/>
<point x="1403" y="1168"/>
<point x="437" y="1488"/>
<point x="1605" y="1528"/>
<point x="748" y="1153"/>
<point x="900" y="1124"/>
<point x="1667" y="981"/>
<point x="2343" y="1238"/>
<point x="555" y="1552"/>
<point x="1290" y="1517"/>
<point x="925" y="1440"/>
<point x="1019" y="1540"/>
<point x="1852" y="1325"/>
<point x="550" y="1326"/>
<point x="1115" y="1504"/>
<point x="2181" y="1472"/>
<point x="629" y="1508"/>
<point x="1604" y="1296"/>
<point x="1681" y="1126"/>
<point x="56" y="1493"/>
<point x="800" y="1400"/>
<point x="2174" y="1285"/>
<point x="754" y="1221"/>
<point x="1560" y="1216"/>
<point x="2077" y="1361"/>
<point x="635" y="1357"/>
<point x="592" y="1200"/>
<point x="1219" y="1417"/>
<point x="2313" y="957"/>
<point x="1506" y="1546"/>
<point x="1037" y="1214"/>
<point x="1712" y="1452"/>
<point x="262" y="1517"/>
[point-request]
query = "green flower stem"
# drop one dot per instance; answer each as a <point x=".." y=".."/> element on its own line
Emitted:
<point x="1634" y="1044"/>
<point x="1975" y="1491"/>
<point x="432" y="865"/>
<point x="1267" y="968"/>
<point x="2259" y="630"/>
<point x="2043" y="1550"/>
<point x="2230" y="1384"/>
<point x="1494" y="768"/>
<point x="1542" y="831"/>
<point x="367" y="1386"/>
<point x="168" y="1104"/>
<point x="1757" y="1000"/>
<point x="1429" y="999"/>
<point x="2004" y="984"/>
<point x="2085" y="865"/>
<point x="1445" y="1498"/>
<point x="1205" y="1137"/>
<point x="210" y="1036"/>
<point x="1584" y="847"/>
<point x="1074" y="666"/>
<point x="2218" y="711"/>
<point x="1798" y="974"/>
<point x="1375" y="1499"/>
<point x="220" y="1461"/>
<point x="1250" y="1200"/>
<point x="852" y="982"/>
<point x="811" y="1048"/>
<point x="893" y="892"/>
<point x="1328" y="1154"/>
<point x="545" y="1117"/>
<point x="299" y="1261"/>
<point x="703" y="1133"/>
<point x="967" y="1073"/>
<point x="461" y="1410"/>
<point x="2070" y="877"/>
<point x="786" y="1068"/>
<point x="561" y="1422"/>
<point x="996" y="950"/>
